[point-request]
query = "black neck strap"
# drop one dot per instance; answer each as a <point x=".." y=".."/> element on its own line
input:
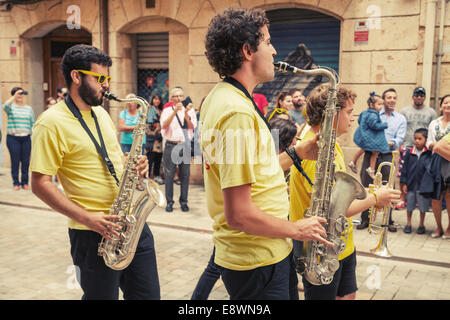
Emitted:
<point x="101" y="149"/>
<point x="239" y="86"/>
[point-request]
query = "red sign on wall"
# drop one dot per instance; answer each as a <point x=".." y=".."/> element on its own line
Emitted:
<point x="12" y="48"/>
<point x="361" y="35"/>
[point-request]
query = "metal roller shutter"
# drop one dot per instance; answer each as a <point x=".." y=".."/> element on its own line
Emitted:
<point x="302" y="38"/>
<point x="153" y="64"/>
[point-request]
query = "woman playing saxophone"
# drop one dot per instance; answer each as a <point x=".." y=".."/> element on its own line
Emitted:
<point x="343" y="284"/>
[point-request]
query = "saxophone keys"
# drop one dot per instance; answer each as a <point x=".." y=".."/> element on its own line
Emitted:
<point x="342" y="224"/>
<point x="321" y="250"/>
<point x="339" y="246"/>
<point x="333" y="265"/>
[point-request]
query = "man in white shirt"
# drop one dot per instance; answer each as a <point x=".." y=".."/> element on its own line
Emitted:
<point x="177" y="128"/>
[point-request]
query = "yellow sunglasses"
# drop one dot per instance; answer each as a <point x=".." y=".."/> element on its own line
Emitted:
<point x="278" y="110"/>
<point x="101" y="78"/>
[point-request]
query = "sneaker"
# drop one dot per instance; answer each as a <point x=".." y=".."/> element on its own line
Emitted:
<point x="16" y="188"/>
<point x="370" y="172"/>
<point x="352" y="166"/>
<point x="408" y="229"/>
<point x="25" y="187"/>
<point x="169" y="207"/>
<point x="421" y="230"/>
<point x="184" y="208"/>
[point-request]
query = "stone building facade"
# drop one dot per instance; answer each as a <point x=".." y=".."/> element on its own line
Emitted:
<point x="381" y="44"/>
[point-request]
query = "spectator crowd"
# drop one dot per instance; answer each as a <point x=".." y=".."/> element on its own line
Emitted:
<point x="385" y="133"/>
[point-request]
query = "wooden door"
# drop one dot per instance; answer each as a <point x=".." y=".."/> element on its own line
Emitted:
<point x="57" y="78"/>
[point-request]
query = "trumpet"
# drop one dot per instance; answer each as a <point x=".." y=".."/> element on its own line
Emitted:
<point x="379" y="221"/>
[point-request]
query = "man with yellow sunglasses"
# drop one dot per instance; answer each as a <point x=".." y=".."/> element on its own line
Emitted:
<point x="101" y="78"/>
<point x="76" y="139"/>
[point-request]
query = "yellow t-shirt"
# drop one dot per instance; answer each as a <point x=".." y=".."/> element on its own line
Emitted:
<point x="300" y="193"/>
<point x="61" y="146"/>
<point x="447" y="137"/>
<point x="228" y="115"/>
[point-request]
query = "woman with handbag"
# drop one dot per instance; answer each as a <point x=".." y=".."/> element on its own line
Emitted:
<point x="154" y="138"/>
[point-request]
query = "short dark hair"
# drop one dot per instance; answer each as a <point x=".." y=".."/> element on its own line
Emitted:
<point x="15" y="89"/>
<point x="317" y="101"/>
<point x="443" y="98"/>
<point x="422" y="131"/>
<point x="59" y="89"/>
<point x="286" y="131"/>
<point x="386" y="91"/>
<point x="292" y="91"/>
<point x="228" y="32"/>
<point x="81" y="56"/>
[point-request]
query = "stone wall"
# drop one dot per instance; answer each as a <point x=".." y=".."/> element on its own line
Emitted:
<point x="393" y="56"/>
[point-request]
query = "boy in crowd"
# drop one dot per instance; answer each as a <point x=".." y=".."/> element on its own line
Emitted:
<point x="413" y="168"/>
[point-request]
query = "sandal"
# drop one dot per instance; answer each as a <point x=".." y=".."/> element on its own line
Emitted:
<point x="352" y="166"/>
<point x="139" y="187"/>
<point x="177" y="181"/>
<point x="435" y="235"/>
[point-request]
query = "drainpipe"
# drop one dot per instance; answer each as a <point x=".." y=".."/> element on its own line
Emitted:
<point x="428" y="47"/>
<point x="104" y="35"/>
<point x="439" y="55"/>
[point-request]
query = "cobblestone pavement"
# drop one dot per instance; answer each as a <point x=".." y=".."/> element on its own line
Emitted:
<point x="36" y="264"/>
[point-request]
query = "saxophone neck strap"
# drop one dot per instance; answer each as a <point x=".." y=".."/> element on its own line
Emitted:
<point x="297" y="162"/>
<point x="101" y="149"/>
<point x="239" y="86"/>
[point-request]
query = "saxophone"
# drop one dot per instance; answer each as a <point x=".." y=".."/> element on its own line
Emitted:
<point x="327" y="201"/>
<point x="133" y="209"/>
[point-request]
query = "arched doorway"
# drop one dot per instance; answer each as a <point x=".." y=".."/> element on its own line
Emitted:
<point x="302" y="38"/>
<point x="55" y="43"/>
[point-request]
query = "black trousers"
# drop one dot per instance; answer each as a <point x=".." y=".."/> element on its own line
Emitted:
<point x="366" y="179"/>
<point x="138" y="281"/>
<point x="273" y="282"/>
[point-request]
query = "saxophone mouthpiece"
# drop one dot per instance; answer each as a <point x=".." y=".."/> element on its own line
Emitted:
<point x="285" y="67"/>
<point x="110" y="96"/>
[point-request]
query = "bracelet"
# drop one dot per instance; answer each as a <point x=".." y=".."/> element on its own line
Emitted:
<point x="376" y="197"/>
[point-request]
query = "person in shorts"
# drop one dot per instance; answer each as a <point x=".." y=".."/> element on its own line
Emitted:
<point x="415" y="161"/>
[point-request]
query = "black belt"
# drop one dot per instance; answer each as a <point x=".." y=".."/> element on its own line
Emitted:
<point x="172" y="142"/>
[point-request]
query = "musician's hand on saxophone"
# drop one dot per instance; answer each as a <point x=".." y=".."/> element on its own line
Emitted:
<point x="103" y="224"/>
<point x="141" y="165"/>
<point x="311" y="228"/>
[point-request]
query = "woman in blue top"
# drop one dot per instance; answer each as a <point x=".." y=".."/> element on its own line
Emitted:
<point x="369" y="136"/>
<point x="18" y="139"/>
<point x="128" y="119"/>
